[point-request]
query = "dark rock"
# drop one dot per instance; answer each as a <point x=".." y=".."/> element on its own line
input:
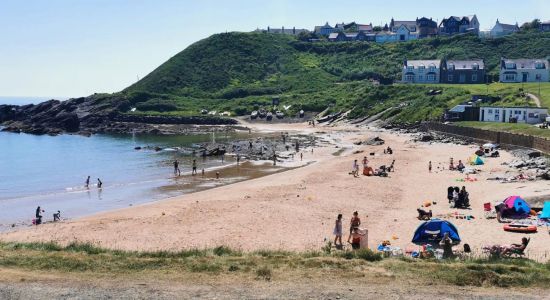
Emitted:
<point x="534" y="154"/>
<point x="375" y="141"/>
<point x="426" y="138"/>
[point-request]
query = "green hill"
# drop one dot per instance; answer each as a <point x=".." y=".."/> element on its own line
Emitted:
<point x="239" y="72"/>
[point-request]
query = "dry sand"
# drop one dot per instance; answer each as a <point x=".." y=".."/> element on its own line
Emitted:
<point x="295" y="210"/>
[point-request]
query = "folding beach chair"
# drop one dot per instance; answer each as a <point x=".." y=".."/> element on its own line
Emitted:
<point x="488" y="211"/>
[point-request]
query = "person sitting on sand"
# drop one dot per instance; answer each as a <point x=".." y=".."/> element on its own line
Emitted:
<point x="354" y="223"/>
<point x="389" y="150"/>
<point x="57" y="216"/>
<point x="460" y="166"/>
<point x="463" y="199"/>
<point x="516" y="247"/>
<point x="423" y="214"/>
<point x="447" y="244"/>
<point x="338" y="231"/>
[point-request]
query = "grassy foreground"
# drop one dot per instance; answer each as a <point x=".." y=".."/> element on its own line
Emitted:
<point x="508" y="127"/>
<point x="82" y="259"/>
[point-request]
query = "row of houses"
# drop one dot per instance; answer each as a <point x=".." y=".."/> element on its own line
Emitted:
<point x="396" y="30"/>
<point x="473" y="71"/>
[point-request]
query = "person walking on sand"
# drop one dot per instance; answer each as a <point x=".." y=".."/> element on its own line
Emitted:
<point x="99" y="183"/>
<point x="177" y="171"/>
<point x="88" y="182"/>
<point x="354" y="223"/>
<point x="338" y="232"/>
<point x="194" y="171"/>
<point x="301" y="156"/>
<point x="430" y="166"/>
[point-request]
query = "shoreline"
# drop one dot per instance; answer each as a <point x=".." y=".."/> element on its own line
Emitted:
<point x="295" y="209"/>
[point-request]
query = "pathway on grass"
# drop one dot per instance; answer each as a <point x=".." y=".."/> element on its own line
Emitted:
<point x="534" y="98"/>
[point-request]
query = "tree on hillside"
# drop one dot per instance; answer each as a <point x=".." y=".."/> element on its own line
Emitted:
<point x="377" y="29"/>
<point x="533" y="25"/>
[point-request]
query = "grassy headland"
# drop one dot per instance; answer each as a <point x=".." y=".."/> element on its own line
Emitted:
<point x="270" y="265"/>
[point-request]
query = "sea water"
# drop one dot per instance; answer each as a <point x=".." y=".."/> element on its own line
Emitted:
<point x="50" y="172"/>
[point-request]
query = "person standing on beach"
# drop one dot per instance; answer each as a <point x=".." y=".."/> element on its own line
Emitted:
<point x="99" y="183"/>
<point x="430" y="166"/>
<point x="355" y="170"/>
<point x="223" y="156"/>
<point x="88" y="182"/>
<point x="338" y="231"/>
<point x="38" y="216"/>
<point x="301" y="156"/>
<point x="194" y="171"/>
<point x="238" y="159"/>
<point x="354" y="223"/>
<point x="177" y="171"/>
<point x="250" y="145"/>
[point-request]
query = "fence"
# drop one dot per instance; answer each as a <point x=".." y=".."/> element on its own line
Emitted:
<point x="502" y="138"/>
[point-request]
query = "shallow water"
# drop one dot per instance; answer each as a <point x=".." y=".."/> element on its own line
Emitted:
<point x="51" y="171"/>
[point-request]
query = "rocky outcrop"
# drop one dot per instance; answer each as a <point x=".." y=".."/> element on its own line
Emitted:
<point x="96" y="114"/>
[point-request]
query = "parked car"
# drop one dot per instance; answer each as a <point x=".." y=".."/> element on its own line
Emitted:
<point x="269" y="116"/>
<point x="279" y="114"/>
<point x="254" y="115"/>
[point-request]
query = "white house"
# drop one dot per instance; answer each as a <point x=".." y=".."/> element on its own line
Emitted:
<point x="401" y="34"/>
<point x="523" y="70"/>
<point x="501" y="29"/>
<point x="421" y="71"/>
<point x="529" y="115"/>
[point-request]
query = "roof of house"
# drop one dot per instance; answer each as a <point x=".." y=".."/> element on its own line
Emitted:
<point x="411" y="25"/>
<point x="361" y="27"/>
<point x="545" y="23"/>
<point x="459" y="108"/>
<point x="418" y="63"/>
<point x="525" y="63"/>
<point x="466" y="64"/>
<point x="508" y="27"/>
<point x="333" y="35"/>
<point x="458" y="19"/>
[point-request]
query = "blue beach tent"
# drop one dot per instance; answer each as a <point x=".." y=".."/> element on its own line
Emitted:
<point x="545" y="211"/>
<point x="432" y="232"/>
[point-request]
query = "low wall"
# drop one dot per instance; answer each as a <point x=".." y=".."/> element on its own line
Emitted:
<point x="503" y="138"/>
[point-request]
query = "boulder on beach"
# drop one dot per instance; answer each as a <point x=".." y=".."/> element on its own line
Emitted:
<point x="375" y="141"/>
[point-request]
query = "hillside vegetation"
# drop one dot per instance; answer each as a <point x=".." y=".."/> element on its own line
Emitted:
<point x="240" y="72"/>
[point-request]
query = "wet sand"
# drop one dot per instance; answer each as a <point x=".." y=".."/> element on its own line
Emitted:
<point x="295" y="210"/>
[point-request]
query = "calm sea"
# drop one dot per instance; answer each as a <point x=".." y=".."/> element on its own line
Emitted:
<point x="20" y="100"/>
<point x="50" y="171"/>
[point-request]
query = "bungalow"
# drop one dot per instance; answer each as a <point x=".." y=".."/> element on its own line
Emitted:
<point x="395" y="25"/>
<point x="463" y="71"/>
<point x="501" y="29"/>
<point x="421" y="71"/>
<point x="356" y="36"/>
<point x="337" y="37"/>
<point x="523" y="70"/>
<point x="402" y="34"/>
<point x="455" y="25"/>
<point x="545" y="26"/>
<point x="529" y="115"/>
<point x="462" y="112"/>
<point x="324" y="30"/>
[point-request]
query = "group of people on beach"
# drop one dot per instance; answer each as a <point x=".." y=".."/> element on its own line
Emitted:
<point x="177" y="170"/>
<point x="38" y="216"/>
<point x="354" y="237"/>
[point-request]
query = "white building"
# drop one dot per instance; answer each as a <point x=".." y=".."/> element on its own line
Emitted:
<point x="501" y="29"/>
<point x="523" y="70"/>
<point x="400" y="34"/>
<point x="421" y="71"/>
<point x="529" y="115"/>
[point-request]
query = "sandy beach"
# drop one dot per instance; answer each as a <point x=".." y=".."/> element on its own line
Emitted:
<point x="296" y="209"/>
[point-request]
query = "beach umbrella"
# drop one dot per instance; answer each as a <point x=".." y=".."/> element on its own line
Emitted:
<point x="489" y="145"/>
<point x="475" y="160"/>
<point x="518" y="204"/>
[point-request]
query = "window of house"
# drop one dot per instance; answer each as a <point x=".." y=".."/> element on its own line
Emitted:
<point x="510" y="66"/>
<point x="539" y="65"/>
<point x="421" y="69"/>
<point x="450" y="77"/>
<point x="451" y="67"/>
<point x="490" y="111"/>
<point x="420" y="77"/>
<point x="475" y="66"/>
<point x="497" y="117"/>
<point x="474" y="77"/>
<point x="431" y="77"/>
<point x="410" y="68"/>
<point x="510" y="77"/>
<point x="531" y="115"/>
<point x="538" y="76"/>
<point x="432" y="68"/>
<point x="409" y="77"/>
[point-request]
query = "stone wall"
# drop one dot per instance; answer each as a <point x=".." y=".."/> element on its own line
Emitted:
<point x="503" y="138"/>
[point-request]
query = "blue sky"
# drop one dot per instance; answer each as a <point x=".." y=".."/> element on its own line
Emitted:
<point x="78" y="47"/>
